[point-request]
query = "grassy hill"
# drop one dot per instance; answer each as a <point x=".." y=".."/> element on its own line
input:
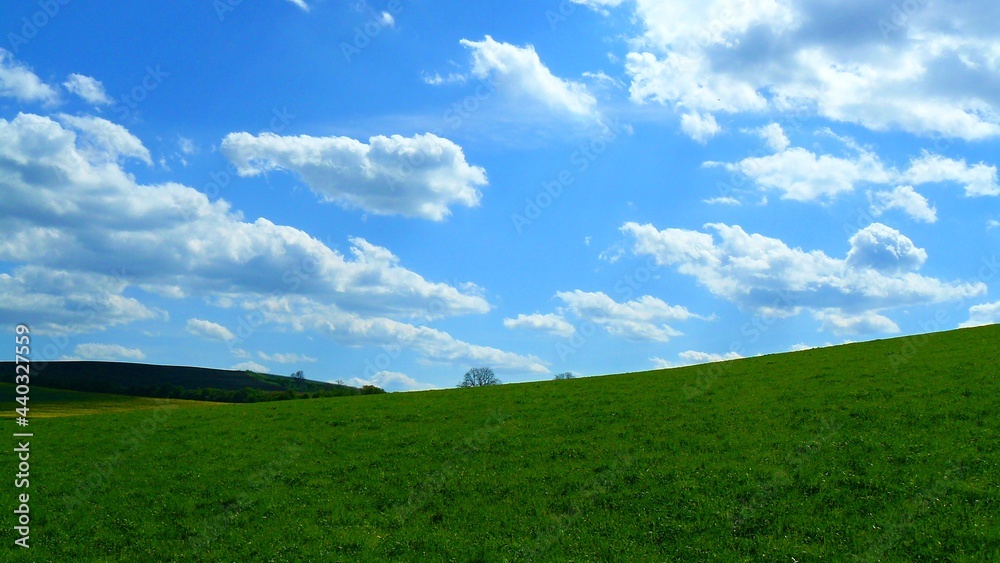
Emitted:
<point x="146" y="380"/>
<point x="881" y="451"/>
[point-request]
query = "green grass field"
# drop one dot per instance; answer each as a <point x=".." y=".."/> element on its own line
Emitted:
<point x="882" y="451"/>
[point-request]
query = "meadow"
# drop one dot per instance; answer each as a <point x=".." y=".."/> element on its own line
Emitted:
<point x="878" y="451"/>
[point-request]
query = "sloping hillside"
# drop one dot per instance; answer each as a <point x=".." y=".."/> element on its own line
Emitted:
<point x="881" y="451"/>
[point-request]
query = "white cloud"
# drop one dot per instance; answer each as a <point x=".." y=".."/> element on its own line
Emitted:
<point x="685" y="81"/>
<point x="289" y="358"/>
<point x="436" y="79"/>
<point x="660" y="363"/>
<point x="885" y="250"/>
<point x="18" y="81"/>
<point x="64" y="210"/>
<point x="992" y="224"/>
<point x="765" y="275"/>
<point x="301" y="4"/>
<point x="695" y="357"/>
<point x="599" y="5"/>
<point x="521" y="71"/>
<point x="978" y="179"/>
<point x="58" y="301"/>
<point x="386" y="19"/>
<point x="209" y="330"/>
<point x="603" y="80"/>
<point x="907" y="200"/>
<point x="802" y="175"/>
<point x="100" y="139"/>
<point x="392" y="381"/>
<point x="774" y="136"/>
<point x="250" y="366"/>
<point x="420" y="176"/>
<point x="723" y="201"/>
<point x="73" y="216"/>
<point x="88" y="88"/>
<point x="983" y="314"/>
<point x="700" y="127"/>
<point x="108" y="352"/>
<point x="933" y="75"/>
<point x="550" y="323"/>
<point x="354" y="330"/>
<point x="639" y="319"/>
<point x="691" y="357"/>
<point x="868" y="322"/>
<point x="611" y="254"/>
<point x="186" y="146"/>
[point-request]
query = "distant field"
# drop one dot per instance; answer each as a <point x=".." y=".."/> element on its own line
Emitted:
<point x="881" y="451"/>
<point x="49" y="403"/>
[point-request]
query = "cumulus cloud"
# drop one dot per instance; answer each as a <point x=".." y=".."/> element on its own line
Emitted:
<point x="59" y="301"/>
<point x="392" y="381"/>
<point x="905" y="199"/>
<point x="686" y="82"/>
<point x="983" y="314"/>
<point x="18" y="81"/>
<point x="550" y="323"/>
<point x="209" y="330"/>
<point x="520" y="71"/>
<point x="88" y="88"/>
<point x="355" y="330"/>
<point x="700" y="127"/>
<point x="88" y="216"/>
<point x="934" y="75"/>
<point x="420" y="176"/>
<point x="765" y="275"/>
<point x="71" y="215"/>
<point x="801" y="175"/>
<point x="885" y="250"/>
<point x="642" y="319"/>
<point x="978" y="180"/>
<point x="108" y="352"/>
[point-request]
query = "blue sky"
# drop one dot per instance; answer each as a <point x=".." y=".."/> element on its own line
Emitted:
<point x="394" y="192"/>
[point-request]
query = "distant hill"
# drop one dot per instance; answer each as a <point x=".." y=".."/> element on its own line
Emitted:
<point x="181" y="382"/>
